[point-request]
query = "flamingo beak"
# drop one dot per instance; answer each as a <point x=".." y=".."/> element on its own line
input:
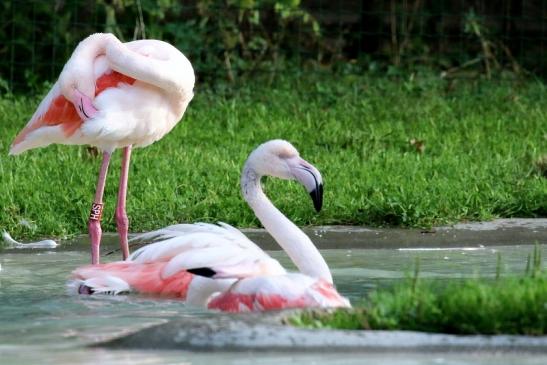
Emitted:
<point x="317" y="197"/>
<point x="306" y="174"/>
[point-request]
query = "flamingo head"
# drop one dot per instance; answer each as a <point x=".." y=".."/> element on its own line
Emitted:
<point x="279" y="158"/>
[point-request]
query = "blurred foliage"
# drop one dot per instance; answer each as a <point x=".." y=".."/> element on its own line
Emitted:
<point x="237" y="39"/>
<point x="223" y="38"/>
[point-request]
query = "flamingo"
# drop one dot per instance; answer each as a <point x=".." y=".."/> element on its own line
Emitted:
<point x="217" y="266"/>
<point x="112" y="95"/>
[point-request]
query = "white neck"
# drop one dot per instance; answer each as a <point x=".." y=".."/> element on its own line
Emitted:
<point x="296" y="244"/>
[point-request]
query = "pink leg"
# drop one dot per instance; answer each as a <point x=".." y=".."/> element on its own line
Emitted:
<point x="94" y="224"/>
<point x="121" y="216"/>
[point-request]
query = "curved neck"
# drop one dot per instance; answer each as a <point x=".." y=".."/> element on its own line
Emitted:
<point x="155" y="63"/>
<point x="79" y="71"/>
<point x="296" y="244"/>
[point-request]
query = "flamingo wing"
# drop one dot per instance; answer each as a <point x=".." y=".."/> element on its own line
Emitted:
<point x="228" y="262"/>
<point x="57" y="115"/>
<point x="221" y="249"/>
<point x="173" y="240"/>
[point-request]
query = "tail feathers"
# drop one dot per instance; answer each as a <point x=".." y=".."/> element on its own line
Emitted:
<point x="325" y="295"/>
<point x="13" y="151"/>
<point x="107" y="284"/>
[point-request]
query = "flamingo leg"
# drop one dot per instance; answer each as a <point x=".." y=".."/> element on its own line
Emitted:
<point x="122" y="222"/>
<point x="94" y="223"/>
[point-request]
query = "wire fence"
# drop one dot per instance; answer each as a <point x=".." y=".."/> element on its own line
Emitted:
<point x="237" y="39"/>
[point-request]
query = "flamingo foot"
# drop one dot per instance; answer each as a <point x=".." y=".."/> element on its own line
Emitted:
<point x="84" y="105"/>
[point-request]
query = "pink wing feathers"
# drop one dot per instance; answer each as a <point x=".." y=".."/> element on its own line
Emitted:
<point x="56" y="110"/>
<point x="143" y="278"/>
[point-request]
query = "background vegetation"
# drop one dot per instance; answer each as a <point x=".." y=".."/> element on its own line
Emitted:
<point x="235" y="40"/>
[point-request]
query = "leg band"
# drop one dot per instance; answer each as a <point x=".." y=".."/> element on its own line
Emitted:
<point x="96" y="212"/>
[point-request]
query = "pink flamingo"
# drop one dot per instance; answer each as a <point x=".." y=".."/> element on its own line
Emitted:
<point x="112" y="95"/>
<point x="218" y="266"/>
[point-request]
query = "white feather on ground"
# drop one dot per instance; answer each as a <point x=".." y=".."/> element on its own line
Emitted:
<point x="40" y="244"/>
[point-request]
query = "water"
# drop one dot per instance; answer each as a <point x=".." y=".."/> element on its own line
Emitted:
<point x="40" y="323"/>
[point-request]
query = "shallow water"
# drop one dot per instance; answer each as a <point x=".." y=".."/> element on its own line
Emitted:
<point x="40" y="323"/>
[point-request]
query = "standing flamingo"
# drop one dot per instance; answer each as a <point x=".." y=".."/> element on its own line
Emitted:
<point x="112" y="95"/>
<point x="218" y="266"/>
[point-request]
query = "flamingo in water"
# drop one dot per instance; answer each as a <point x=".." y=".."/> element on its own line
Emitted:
<point x="217" y="266"/>
<point x="112" y="95"/>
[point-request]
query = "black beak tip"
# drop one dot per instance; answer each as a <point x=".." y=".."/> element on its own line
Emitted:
<point x="317" y="197"/>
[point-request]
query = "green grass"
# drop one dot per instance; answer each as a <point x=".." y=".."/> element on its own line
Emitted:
<point x="482" y="145"/>
<point x="508" y="305"/>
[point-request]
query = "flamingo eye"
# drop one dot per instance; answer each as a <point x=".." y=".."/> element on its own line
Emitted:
<point x="284" y="155"/>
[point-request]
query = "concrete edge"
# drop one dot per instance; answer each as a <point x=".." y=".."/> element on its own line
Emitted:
<point x="254" y="332"/>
